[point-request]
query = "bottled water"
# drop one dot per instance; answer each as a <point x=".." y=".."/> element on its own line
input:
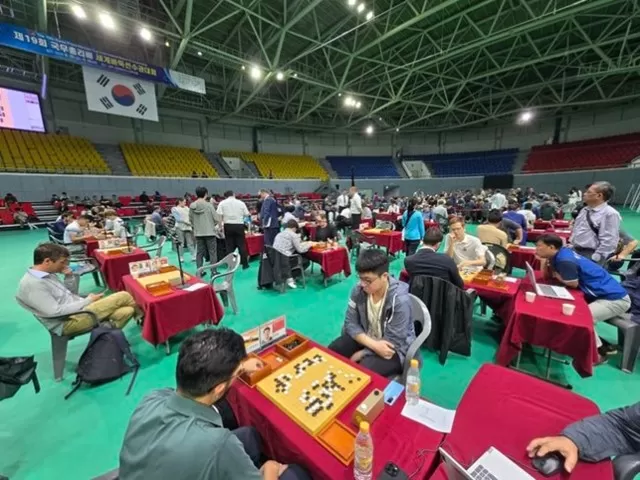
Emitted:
<point x="413" y="383"/>
<point x="363" y="458"/>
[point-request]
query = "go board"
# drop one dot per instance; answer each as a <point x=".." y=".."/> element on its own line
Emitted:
<point x="312" y="389"/>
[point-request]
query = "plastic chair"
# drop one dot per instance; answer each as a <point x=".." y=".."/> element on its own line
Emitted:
<point x="59" y="342"/>
<point x="156" y="246"/>
<point x="501" y="258"/>
<point x="629" y="339"/>
<point x="626" y="467"/>
<point x="422" y="323"/>
<point x="283" y="268"/>
<point x="225" y="287"/>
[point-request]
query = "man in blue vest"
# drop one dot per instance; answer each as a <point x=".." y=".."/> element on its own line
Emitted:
<point x="606" y="297"/>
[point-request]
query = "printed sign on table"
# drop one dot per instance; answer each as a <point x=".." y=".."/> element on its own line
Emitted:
<point x="259" y="337"/>
<point x="146" y="267"/>
<point x="112" y="243"/>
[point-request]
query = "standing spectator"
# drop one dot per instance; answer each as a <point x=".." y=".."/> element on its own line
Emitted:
<point x="355" y="207"/>
<point x="516" y="217"/>
<point x="597" y="226"/>
<point x="204" y="220"/>
<point x="498" y="200"/>
<point x="269" y="217"/>
<point x="343" y="200"/>
<point x="413" y="228"/>
<point x="184" y="230"/>
<point x="233" y="213"/>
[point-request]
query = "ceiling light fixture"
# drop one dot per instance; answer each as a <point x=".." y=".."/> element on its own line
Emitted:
<point x="199" y="53"/>
<point x="243" y="67"/>
<point x="255" y="72"/>
<point x="145" y="34"/>
<point x="106" y="20"/>
<point x="351" y="3"/>
<point x="361" y="8"/>
<point x="349" y="101"/>
<point x="279" y="76"/>
<point x="295" y="75"/>
<point x="358" y="104"/>
<point x="369" y="130"/>
<point x="525" y="117"/>
<point x="167" y="44"/>
<point x="78" y="11"/>
<point x="369" y="16"/>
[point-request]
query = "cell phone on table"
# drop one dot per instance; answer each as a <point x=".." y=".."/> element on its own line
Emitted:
<point x="393" y="392"/>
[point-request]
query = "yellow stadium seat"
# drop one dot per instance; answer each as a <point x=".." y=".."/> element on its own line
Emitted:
<point x="282" y="166"/>
<point x="165" y="161"/>
<point x="37" y="152"/>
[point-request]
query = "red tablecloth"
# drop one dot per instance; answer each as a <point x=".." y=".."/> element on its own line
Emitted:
<point x="311" y="229"/>
<point x="507" y="409"/>
<point x="497" y="298"/>
<point x="395" y="437"/>
<point x="520" y="255"/>
<point x="171" y="314"/>
<point x="255" y="244"/>
<point x="544" y="224"/>
<point x="331" y="261"/>
<point x="114" y="267"/>
<point x="542" y="323"/>
<point x="534" y="233"/>
<point x="386" y="217"/>
<point x="392" y="241"/>
<point x="91" y="246"/>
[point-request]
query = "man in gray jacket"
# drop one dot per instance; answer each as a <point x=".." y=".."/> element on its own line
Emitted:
<point x="378" y="329"/>
<point x="205" y="222"/>
<point x="596" y="438"/>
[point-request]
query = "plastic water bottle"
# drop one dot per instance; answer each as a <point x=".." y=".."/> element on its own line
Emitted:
<point x="363" y="457"/>
<point x="413" y="383"/>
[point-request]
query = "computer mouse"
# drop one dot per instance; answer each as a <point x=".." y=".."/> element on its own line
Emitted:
<point x="548" y="464"/>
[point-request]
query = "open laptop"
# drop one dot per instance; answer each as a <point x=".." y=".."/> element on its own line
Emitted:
<point x="492" y="465"/>
<point x="550" y="291"/>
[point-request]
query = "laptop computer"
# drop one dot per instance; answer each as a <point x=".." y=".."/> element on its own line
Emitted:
<point x="550" y="291"/>
<point x="492" y="465"/>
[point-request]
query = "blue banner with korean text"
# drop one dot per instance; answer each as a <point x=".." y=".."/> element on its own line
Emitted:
<point x="20" y="38"/>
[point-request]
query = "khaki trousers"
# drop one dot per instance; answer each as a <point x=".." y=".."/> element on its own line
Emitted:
<point x="118" y="308"/>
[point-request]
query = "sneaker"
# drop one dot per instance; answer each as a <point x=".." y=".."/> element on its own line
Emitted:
<point x="608" y="349"/>
<point x="291" y="283"/>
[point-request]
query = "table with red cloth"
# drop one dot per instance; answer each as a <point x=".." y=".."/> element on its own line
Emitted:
<point x="114" y="267"/>
<point x="168" y="315"/>
<point x="391" y="240"/>
<point x="91" y="246"/>
<point x="331" y="261"/>
<point x="534" y="233"/>
<point x="255" y="244"/>
<point x="386" y="217"/>
<point x="310" y="228"/>
<point x="430" y="224"/>
<point x="520" y="255"/>
<point x="543" y="324"/>
<point x="506" y="409"/>
<point x="544" y="224"/>
<point x="395" y="438"/>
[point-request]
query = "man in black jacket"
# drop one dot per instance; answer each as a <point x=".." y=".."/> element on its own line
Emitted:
<point x="428" y="261"/>
<point x="593" y="439"/>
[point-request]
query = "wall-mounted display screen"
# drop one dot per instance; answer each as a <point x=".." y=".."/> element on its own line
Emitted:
<point x="20" y="110"/>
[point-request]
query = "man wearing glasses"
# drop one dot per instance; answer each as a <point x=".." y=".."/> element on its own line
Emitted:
<point x="378" y="328"/>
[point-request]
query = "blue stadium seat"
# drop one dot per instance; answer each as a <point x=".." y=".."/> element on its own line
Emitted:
<point x="363" y="167"/>
<point x="464" y="164"/>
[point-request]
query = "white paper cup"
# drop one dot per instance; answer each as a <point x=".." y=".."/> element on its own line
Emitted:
<point x="568" y="308"/>
<point x="530" y="297"/>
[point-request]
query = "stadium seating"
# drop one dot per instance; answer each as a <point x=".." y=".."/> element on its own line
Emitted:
<point x="463" y="164"/>
<point x="43" y="152"/>
<point x="164" y="161"/>
<point x="363" y="167"/>
<point x="607" y="152"/>
<point x="281" y="165"/>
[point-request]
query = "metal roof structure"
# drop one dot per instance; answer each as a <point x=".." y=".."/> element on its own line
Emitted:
<point x="417" y="65"/>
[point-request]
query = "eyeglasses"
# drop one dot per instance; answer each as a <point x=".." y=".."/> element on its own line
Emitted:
<point x="368" y="281"/>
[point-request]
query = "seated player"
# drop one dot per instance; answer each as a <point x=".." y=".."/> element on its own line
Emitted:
<point x="491" y="232"/>
<point x="41" y="290"/>
<point x="378" y="328"/>
<point x="606" y="297"/>
<point x="427" y="261"/>
<point x="466" y="250"/>
<point x="325" y="232"/>
<point x="114" y="224"/>
<point x="288" y="243"/>
<point x="181" y="434"/>
<point x="60" y="225"/>
<point x="75" y="230"/>
<point x="594" y="439"/>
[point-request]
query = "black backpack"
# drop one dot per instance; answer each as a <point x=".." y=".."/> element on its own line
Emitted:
<point x="108" y="356"/>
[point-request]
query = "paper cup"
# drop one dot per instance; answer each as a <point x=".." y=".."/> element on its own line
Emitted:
<point x="530" y="297"/>
<point x="568" y="308"/>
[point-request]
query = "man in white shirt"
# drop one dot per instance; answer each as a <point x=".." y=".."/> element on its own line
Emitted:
<point x="467" y="251"/>
<point x="393" y="207"/>
<point x="528" y="214"/>
<point x="184" y="230"/>
<point x="233" y="213"/>
<point x="498" y="200"/>
<point x="75" y="230"/>
<point x="343" y="200"/>
<point x="356" y="208"/>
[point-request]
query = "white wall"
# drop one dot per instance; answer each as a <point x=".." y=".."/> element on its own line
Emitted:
<point x="602" y="123"/>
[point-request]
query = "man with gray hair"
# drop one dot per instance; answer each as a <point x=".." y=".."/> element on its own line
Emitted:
<point x="597" y="226"/>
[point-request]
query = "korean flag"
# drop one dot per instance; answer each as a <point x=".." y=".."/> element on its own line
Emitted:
<point x="117" y="94"/>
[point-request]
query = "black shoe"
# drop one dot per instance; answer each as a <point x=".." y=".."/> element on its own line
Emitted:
<point x="607" y="350"/>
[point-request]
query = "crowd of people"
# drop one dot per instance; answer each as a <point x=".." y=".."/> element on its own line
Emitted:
<point x="378" y="327"/>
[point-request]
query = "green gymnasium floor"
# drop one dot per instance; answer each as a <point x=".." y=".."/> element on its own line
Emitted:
<point x="44" y="437"/>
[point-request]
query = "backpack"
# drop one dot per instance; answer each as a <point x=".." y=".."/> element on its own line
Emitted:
<point x="108" y="356"/>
